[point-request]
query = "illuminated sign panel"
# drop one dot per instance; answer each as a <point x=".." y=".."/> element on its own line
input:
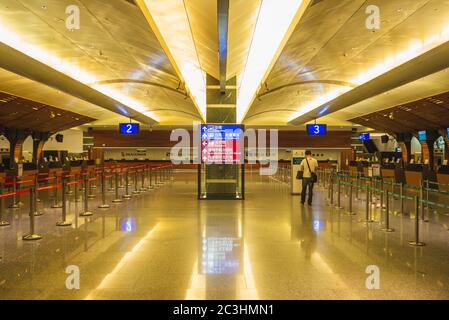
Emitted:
<point x="316" y="129"/>
<point x="221" y="143"/>
<point x="129" y="128"/>
<point x="364" y="136"/>
<point x="422" y="135"/>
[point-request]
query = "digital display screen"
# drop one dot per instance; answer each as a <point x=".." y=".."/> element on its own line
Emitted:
<point x="364" y="136"/>
<point x="422" y="135"/>
<point x="221" y="143"/>
<point x="448" y="132"/>
<point x="129" y="128"/>
<point x="316" y="129"/>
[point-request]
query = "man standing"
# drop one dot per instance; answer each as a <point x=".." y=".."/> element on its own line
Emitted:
<point x="308" y="166"/>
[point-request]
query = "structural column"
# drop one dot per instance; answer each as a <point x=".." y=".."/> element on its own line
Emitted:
<point x="16" y="139"/>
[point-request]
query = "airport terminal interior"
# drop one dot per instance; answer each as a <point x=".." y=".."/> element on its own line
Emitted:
<point x="156" y="149"/>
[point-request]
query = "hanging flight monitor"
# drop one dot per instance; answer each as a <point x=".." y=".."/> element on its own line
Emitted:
<point x="129" y="128"/>
<point x="448" y="132"/>
<point x="422" y="135"/>
<point x="316" y="129"/>
<point x="364" y="136"/>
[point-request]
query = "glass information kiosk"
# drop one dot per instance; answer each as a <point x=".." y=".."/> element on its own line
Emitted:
<point x="221" y="172"/>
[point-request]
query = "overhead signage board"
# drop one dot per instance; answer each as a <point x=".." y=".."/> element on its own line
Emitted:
<point x="364" y="136"/>
<point x="129" y="128"/>
<point x="221" y="143"/>
<point x="316" y="129"/>
<point x="422" y="135"/>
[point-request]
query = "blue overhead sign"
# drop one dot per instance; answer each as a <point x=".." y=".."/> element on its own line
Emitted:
<point x="364" y="136"/>
<point x="221" y="132"/>
<point x="221" y="143"/>
<point x="316" y="129"/>
<point x="422" y="135"/>
<point x="129" y="128"/>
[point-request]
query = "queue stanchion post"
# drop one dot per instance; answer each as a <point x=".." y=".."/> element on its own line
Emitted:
<point x="37" y="185"/>
<point x="368" y="207"/>
<point x="142" y="180"/>
<point x="151" y="178"/>
<point x="111" y="181"/>
<point x="77" y="188"/>
<point x="339" y="192"/>
<point x="381" y="195"/>
<point x="331" y="189"/>
<point x="68" y="185"/>
<point x="416" y="242"/>
<point x="156" y="183"/>
<point x="32" y="235"/>
<point x="127" y="195"/>
<point x="19" y="189"/>
<point x="117" y="196"/>
<point x="14" y="204"/>
<point x="423" y="209"/>
<point x="56" y="204"/>
<point x="37" y="213"/>
<point x="90" y="186"/>
<point x="387" y="213"/>
<point x="121" y="185"/>
<point x="103" y="204"/>
<point x="401" y="195"/>
<point x="3" y="221"/>
<point x="64" y="222"/>
<point x="136" y="182"/>
<point x="86" y="212"/>
<point x="350" y="210"/>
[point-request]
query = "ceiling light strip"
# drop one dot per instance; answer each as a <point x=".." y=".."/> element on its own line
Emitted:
<point x="415" y="49"/>
<point x="276" y="21"/>
<point x="169" y="21"/>
<point x="14" y="40"/>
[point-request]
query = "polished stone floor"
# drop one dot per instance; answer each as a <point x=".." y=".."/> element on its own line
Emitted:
<point x="165" y="244"/>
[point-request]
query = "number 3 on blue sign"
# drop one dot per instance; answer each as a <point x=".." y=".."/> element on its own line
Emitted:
<point x="316" y="129"/>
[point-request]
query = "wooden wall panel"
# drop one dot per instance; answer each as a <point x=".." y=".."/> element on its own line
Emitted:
<point x="159" y="138"/>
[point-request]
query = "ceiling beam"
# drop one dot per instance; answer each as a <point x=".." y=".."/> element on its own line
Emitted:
<point x="426" y="64"/>
<point x="21" y="64"/>
<point x="223" y="17"/>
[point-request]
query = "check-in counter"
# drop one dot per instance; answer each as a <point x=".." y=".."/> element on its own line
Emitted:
<point x="392" y="173"/>
<point x="443" y="178"/>
<point x="353" y="169"/>
<point x="365" y="168"/>
<point x="328" y="164"/>
<point x="416" y="173"/>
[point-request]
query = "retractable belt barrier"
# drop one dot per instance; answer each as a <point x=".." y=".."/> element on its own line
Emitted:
<point x="419" y="195"/>
<point x="34" y="185"/>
